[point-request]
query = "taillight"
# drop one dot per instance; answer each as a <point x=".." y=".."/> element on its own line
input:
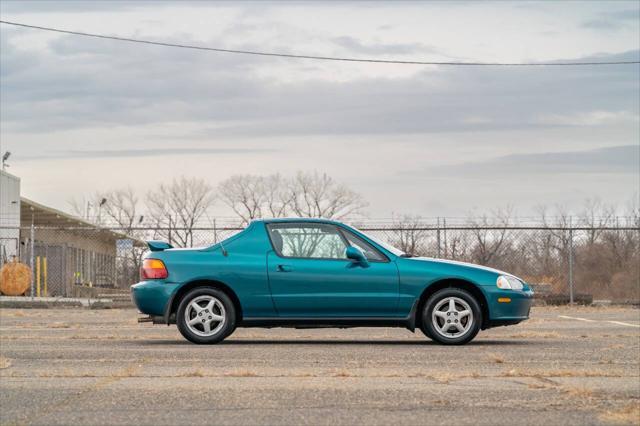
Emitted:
<point x="153" y="269"/>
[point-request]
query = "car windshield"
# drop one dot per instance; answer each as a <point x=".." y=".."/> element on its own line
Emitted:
<point x="383" y="244"/>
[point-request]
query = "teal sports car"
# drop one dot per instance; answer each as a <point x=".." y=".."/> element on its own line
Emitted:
<point x="307" y="273"/>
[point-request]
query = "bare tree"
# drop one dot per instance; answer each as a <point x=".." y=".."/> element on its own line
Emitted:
<point x="561" y="221"/>
<point x="596" y="215"/>
<point x="277" y="197"/>
<point x="89" y="208"/>
<point x="245" y="194"/>
<point x="176" y="208"/>
<point x="456" y="245"/>
<point x="633" y="211"/>
<point x="490" y="242"/>
<point x="410" y="234"/>
<point x="118" y="210"/>
<point x="318" y="195"/>
<point x="305" y="195"/>
<point x="121" y="207"/>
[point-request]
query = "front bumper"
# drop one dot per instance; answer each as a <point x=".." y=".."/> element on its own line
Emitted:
<point x="509" y="306"/>
<point x="151" y="297"/>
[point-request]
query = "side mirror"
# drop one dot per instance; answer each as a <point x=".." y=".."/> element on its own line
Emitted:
<point x="356" y="255"/>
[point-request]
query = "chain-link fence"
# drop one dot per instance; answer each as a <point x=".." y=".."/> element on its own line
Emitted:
<point x="565" y="263"/>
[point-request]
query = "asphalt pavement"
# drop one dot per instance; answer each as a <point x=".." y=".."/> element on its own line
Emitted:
<point x="77" y="366"/>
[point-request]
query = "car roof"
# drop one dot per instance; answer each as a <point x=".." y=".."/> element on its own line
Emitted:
<point x="298" y="220"/>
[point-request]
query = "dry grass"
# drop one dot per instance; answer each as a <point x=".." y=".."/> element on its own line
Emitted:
<point x="444" y="378"/>
<point x="62" y="373"/>
<point x="626" y="415"/>
<point x="539" y="386"/>
<point x="342" y="373"/>
<point x="240" y="373"/>
<point x="8" y="313"/>
<point x="578" y="392"/>
<point x="536" y="335"/>
<point x="558" y="373"/>
<point x="498" y="359"/>
<point x="304" y="375"/>
<point x="571" y="391"/>
<point x="84" y="336"/>
<point x="130" y="371"/>
<point x="4" y="363"/>
<point x="195" y="373"/>
<point x="59" y="325"/>
<point x="614" y="347"/>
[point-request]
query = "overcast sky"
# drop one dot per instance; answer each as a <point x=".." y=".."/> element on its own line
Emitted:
<point x="83" y="114"/>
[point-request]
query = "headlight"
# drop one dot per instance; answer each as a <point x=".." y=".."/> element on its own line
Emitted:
<point x="509" y="283"/>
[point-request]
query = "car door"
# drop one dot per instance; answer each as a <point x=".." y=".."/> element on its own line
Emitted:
<point x="310" y="276"/>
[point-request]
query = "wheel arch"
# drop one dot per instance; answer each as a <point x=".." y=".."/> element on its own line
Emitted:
<point x="453" y="283"/>
<point x="172" y="306"/>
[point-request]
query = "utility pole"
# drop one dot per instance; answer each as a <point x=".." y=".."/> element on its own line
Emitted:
<point x="31" y="260"/>
<point x="570" y="261"/>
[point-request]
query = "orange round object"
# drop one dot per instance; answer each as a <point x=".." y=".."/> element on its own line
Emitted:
<point x="15" y="278"/>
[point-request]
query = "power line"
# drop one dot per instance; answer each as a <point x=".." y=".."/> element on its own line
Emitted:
<point x="321" y="58"/>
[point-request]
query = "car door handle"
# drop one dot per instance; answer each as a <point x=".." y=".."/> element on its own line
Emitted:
<point x="284" y="268"/>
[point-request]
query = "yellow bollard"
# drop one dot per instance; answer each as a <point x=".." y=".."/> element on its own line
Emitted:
<point x="38" y="276"/>
<point x="44" y="275"/>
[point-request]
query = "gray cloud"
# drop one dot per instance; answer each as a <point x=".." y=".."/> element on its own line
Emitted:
<point x="150" y="152"/>
<point x="354" y="45"/>
<point x="614" y="20"/>
<point x="611" y="160"/>
<point x="91" y="83"/>
<point x="91" y="101"/>
<point x="74" y="6"/>
<point x="601" y="24"/>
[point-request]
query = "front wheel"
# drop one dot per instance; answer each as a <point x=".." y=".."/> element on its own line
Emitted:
<point x="451" y="316"/>
<point x="206" y="316"/>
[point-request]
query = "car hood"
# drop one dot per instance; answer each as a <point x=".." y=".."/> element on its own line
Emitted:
<point x="463" y="264"/>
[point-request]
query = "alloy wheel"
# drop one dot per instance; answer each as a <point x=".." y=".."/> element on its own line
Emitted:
<point x="205" y="316"/>
<point x="452" y="317"/>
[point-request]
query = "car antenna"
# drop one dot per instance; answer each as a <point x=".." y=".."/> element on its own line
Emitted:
<point x="225" y="253"/>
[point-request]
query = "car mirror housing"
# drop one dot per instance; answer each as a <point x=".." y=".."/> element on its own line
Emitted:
<point x="356" y="255"/>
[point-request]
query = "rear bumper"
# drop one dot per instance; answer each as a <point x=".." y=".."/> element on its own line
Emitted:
<point x="152" y="297"/>
<point x="508" y="307"/>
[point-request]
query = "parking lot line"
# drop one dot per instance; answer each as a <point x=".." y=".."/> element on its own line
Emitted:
<point x="590" y="320"/>
<point x="624" y="323"/>
<point x="576" y="318"/>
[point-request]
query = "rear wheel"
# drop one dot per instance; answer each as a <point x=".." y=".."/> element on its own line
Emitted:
<point x="206" y="316"/>
<point x="451" y="316"/>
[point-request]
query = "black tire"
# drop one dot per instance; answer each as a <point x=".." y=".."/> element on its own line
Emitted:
<point x="429" y="329"/>
<point x="229" y="315"/>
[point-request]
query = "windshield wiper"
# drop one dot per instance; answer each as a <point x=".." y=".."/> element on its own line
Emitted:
<point x="408" y="255"/>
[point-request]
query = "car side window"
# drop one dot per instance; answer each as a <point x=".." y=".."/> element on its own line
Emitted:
<point x="307" y="240"/>
<point x="370" y="252"/>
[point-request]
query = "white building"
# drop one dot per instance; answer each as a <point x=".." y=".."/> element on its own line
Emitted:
<point x="9" y="216"/>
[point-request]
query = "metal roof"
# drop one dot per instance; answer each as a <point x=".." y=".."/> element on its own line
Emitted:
<point x="44" y="216"/>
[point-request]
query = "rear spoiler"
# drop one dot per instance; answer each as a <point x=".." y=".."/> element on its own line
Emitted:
<point x="158" y="245"/>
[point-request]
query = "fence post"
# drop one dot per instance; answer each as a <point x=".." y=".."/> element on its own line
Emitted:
<point x="215" y="232"/>
<point x="438" y="234"/>
<point x="31" y="260"/>
<point x="444" y="231"/>
<point x="44" y="276"/>
<point x="38" y="276"/>
<point x="570" y="261"/>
